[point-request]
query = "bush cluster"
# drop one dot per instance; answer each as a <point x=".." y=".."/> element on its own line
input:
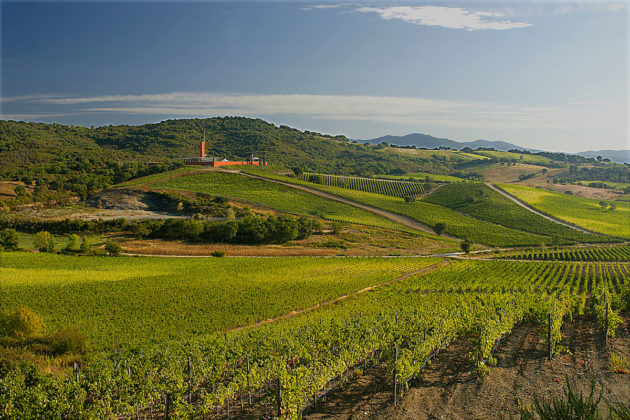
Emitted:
<point x="247" y="230"/>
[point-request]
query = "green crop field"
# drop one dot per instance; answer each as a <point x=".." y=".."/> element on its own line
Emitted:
<point x="394" y="188"/>
<point x="457" y="224"/>
<point x="580" y="211"/>
<point x="286" y="364"/>
<point x="480" y="201"/>
<point x="278" y="197"/>
<point x="592" y="253"/>
<point x="421" y="176"/>
<point x="134" y="300"/>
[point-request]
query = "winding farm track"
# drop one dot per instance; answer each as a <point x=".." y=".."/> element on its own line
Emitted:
<point x="395" y="217"/>
<point x="291" y="314"/>
<point x="539" y="213"/>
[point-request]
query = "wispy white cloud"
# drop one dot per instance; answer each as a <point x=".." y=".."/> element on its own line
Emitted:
<point x="446" y="17"/>
<point x="324" y="6"/>
<point x="413" y="112"/>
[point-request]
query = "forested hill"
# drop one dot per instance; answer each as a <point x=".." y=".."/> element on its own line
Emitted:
<point x="25" y="145"/>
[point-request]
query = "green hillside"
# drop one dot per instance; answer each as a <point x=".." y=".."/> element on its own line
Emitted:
<point x="29" y="145"/>
<point x="479" y="201"/>
<point x="580" y="211"/>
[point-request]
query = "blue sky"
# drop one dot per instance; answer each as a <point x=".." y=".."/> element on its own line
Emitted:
<point x="548" y="75"/>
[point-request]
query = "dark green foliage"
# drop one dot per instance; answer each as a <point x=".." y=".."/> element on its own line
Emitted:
<point x="465" y="246"/>
<point x="439" y="228"/>
<point x="9" y="239"/>
<point x="87" y="159"/>
<point x="218" y="253"/>
<point x="113" y="249"/>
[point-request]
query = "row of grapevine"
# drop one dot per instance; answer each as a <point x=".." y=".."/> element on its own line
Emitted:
<point x="608" y="253"/>
<point x="377" y="186"/>
<point x="285" y="365"/>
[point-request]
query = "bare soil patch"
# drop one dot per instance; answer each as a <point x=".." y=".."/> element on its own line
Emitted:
<point x="448" y="390"/>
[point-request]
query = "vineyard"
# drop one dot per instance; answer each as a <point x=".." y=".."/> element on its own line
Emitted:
<point x="377" y="186"/>
<point x="282" y="368"/>
<point x="479" y="201"/>
<point x="457" y="224"/>
<point x="277" y="197"/>
<point x="580" y="211"/>
<point x="608" y="253"/>
<point x="139" y="300"/>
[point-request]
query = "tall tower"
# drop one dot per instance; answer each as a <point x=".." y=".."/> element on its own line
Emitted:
<point x="202" y="146"/>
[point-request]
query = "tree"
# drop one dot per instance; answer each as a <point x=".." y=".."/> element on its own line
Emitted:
<point x="9" y="239"/>
<point x="465" y="246"/>
<point x="113" y="249"/>
<point x="603" y="204"/>
<point x="410" y="198"/>
<point x="297" y="171"/>
<point x="85" y="245"/>
<point x="439" y="228"/>
<point x="44" y="241"/>
<point x="74" y="243"/>
<point x="612" y="207"/>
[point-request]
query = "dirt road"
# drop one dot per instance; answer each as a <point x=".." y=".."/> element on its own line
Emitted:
<point x="395" y="217"/>
<point x="533" y="210"/>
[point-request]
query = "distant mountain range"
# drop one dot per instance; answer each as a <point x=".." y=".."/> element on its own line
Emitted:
<point x="429" y="142"/>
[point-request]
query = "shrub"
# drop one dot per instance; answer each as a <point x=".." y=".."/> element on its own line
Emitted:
<point x="113" y="249"/>
<point x="9" y="239"/>
<point x="44" y="241"/>
<point x="21" y="322"/>
<point x="573" y="406"/>
<point x="617" y="363"/>
<point x="336" y="227"/>
<point x="69" y="340"/>
<point x="465" y="246"/>
<point x="218" y="253"/>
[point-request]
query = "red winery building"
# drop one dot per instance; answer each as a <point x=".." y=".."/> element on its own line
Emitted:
<point x="202" y="159"/>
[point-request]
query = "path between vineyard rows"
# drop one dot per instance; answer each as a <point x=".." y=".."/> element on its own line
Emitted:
<point x="533" y="210"/>
<point x="403" y="220"/>
<point x="448" y="390"/>
<point x="422" y="270"/>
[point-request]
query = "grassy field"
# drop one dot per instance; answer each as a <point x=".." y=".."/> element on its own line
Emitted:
<point x="519" y="157"/>
<point x="278" y="197"/>
<point x="479" y="201"/>
<point x="137" y="300"/>
<point x="580" y="211"/>
<point x="457" y="224"/>
<point x="451" y="156"/>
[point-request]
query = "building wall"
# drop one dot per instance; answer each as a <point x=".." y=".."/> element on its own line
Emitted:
<point x="218" y="163"/>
